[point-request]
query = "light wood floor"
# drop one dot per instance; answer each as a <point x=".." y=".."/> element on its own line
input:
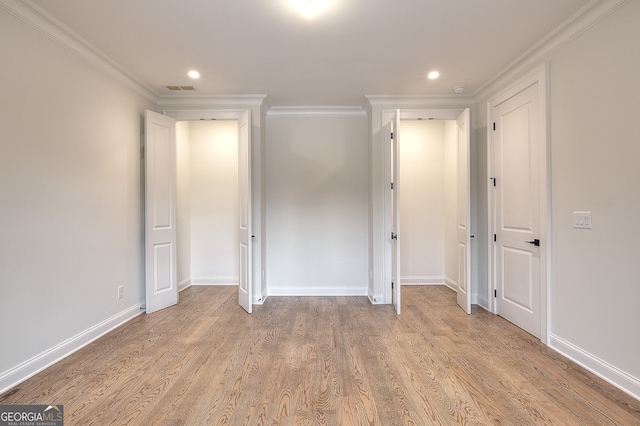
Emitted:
<point x="322" y="360"/>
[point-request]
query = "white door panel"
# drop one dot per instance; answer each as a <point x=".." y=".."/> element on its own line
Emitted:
<point x="245" y="286"/>
<point x="464" y="211"/>
<point x="517" y="195"/>
<point x="516" y="185"/>
<point x="518" y="267"/>
<point x="395" y="212"/>
<point x="160" y="205"/>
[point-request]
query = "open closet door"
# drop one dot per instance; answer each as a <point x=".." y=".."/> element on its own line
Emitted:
<point x="464" y="212"/>
<point x="395" y="211"/>
<point x="160" y="212"/>
<point x="245" y="286"/>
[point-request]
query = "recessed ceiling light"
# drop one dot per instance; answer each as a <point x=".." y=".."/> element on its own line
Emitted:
<point x="194" y="74"/>
<point x="433" y="75"/>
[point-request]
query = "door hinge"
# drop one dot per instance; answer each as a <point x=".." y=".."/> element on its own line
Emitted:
<point x="391" y="285"/>
<point x="394" y="236"/>
<point x="493" y="180"/>
<point x="495" y="293"/>
<point x="494" y="126"/>
<point x="391" y="185"/>
<point x="495" y="237"/>
<point x="391" y="135"/>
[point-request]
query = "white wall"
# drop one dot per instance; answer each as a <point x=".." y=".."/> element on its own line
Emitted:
<point x="317" y="203"/>
<point x="422" y="202"/>
<point x="594" y="99"/>
<point x="70" y="200"/>
<point x="214" y="213"/>
<point x="183" y="171"/>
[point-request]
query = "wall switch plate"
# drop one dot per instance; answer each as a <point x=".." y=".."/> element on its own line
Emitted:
<point x="582" y="220"/>
<point x="120" y="292"/>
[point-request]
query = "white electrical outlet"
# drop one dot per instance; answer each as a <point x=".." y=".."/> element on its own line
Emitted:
<point x="120" y="292"/>
<point x="582" y="220"/>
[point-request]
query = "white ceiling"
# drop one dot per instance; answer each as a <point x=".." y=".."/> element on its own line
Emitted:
<point x="357" y="47"/>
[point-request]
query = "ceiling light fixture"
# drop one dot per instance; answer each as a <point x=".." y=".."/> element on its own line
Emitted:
<point x="310" y="8"/>
<point x="458" y="89"/>
<point x="433" y="75"/>
<point x="194" y="74"/>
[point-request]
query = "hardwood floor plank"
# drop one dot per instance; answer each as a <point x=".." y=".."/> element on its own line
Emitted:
<point x="323" y="361"/>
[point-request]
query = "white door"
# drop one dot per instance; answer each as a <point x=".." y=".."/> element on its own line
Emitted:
<point x="517" y="145"/>
<point x="245" y="286"/>
<point x="160" y="212"/>
<point x="464" y="212"/>
<point x="395" y="211"/>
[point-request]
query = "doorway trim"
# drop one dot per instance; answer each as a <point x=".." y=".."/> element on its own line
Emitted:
<point x="538" y="77"/>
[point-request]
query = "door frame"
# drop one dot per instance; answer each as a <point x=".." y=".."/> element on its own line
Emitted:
<point x="540" y="78"/>
<point x="387" y="118"/>
<point x="188" y="114"/>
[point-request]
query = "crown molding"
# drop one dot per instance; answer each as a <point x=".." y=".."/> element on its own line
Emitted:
<point x="316" y="110"/>
<point x="211" y="101"/>
<point x="418" y="101"/>
<point x="585" y="18"/>
<point x="37" y="18"/>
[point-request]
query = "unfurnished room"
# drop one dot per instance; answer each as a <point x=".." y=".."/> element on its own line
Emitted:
<point x="331" y="212"/>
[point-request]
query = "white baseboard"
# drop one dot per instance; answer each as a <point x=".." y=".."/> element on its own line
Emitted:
<point x="184" y="284"/>
<point x="33" y="366"/>
<point x="618" y="378"/>
<point x="317" y="291"/>
<point x="214" y="280"/>
<point x="482" y="302"/>
<point x="452" y="284"/>
<point x="422" y="280"/>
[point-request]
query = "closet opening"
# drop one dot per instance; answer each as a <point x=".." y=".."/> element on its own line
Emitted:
<point x="207" y="202"/>
<point x="428" y="202"/>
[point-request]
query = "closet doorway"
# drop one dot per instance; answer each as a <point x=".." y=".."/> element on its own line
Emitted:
<point x="428" y="202"/>
<point x="432" y="188"/>
<point x="207" y="202"/>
